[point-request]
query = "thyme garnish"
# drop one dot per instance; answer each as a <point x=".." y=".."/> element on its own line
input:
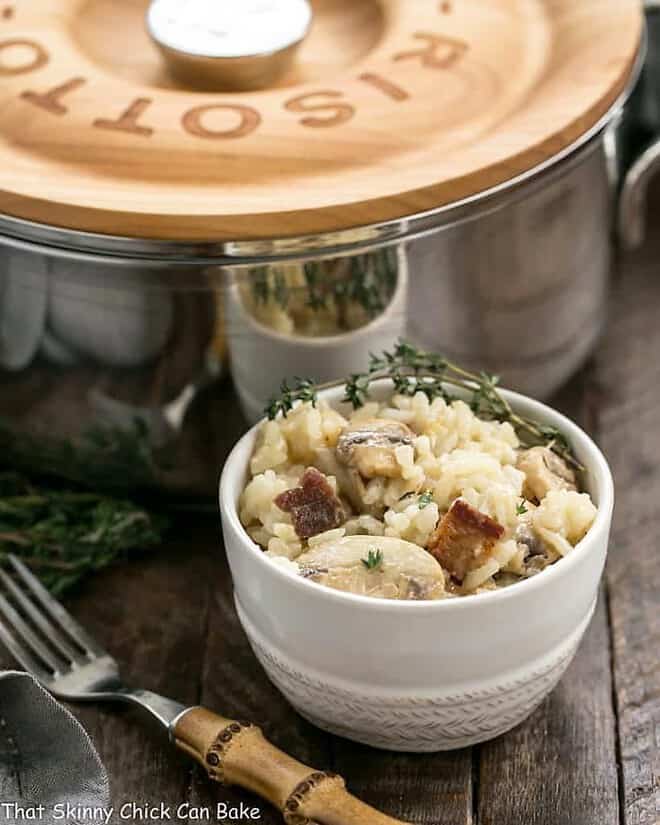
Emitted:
<point x="414" y="370"/>
<point x="425" y="499"/>
<point x="303" y="390"/>
<point x="521" y="507"/>
<point x="64" y="535"/>
<point x="374" y="559"/>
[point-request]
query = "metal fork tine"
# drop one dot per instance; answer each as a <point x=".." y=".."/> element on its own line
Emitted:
<point x="95" y="678"/>
<point x="52" y="633"/>
<point x="56" y="611"/>
<point x="23" y="656"/>
<point x="35" y="645"/>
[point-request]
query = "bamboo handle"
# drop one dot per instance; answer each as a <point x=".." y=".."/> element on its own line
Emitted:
<point x="236" y="753"/>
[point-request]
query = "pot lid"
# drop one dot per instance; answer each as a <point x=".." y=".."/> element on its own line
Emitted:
<point x="388" y="108"/>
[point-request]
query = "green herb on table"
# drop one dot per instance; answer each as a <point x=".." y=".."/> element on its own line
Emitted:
<point x="64" y="535"/>
<point x="425" y="499"/>
<point x="101" y="457"/>
<point x="374" y="560"/>
<point x="521" y="508"/>
<point x="413" y="370"/>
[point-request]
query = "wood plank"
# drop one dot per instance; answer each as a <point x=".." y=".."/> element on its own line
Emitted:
<point x="559" y="767"/>
<point x="629" y="378"/>
<point x="424" y="789"/>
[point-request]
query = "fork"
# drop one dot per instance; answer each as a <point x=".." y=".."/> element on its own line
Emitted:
<point x="71" y="665"/>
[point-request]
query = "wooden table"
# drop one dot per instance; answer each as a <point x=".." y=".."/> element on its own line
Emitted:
<point x="588" y="756"/>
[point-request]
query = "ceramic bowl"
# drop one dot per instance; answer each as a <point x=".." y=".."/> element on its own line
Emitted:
<point x="418" y="676"/>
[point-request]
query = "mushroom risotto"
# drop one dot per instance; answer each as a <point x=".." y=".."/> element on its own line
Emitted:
<point x="411" y="498"/>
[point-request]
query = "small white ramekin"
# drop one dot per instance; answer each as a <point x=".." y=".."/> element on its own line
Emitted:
<point x="418" y="676"/>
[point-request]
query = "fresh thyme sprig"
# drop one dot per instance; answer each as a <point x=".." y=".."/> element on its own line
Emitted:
<point x="521" y="507"/>
<point x="374" y="559"/>
<point x="302" y="390"/>
<point x="412" y="370"/>
<point x="64" y="535"/>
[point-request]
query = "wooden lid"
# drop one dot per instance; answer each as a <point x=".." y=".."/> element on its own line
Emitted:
<point x="393" y="107"/>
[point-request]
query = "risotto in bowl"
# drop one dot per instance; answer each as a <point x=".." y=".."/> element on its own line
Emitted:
<point x="412" y="574"/>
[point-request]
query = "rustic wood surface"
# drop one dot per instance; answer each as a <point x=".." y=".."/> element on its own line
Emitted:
<point x="588" y="756"/>
<point x="394" y="108"/>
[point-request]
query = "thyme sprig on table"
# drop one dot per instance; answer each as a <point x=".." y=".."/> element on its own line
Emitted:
<point x="414" y="370"/>
<point x="64" y="535"/>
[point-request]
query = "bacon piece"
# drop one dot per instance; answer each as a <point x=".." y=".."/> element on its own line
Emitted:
<point x="464" y="539"/>
<point x="313" y="506"/>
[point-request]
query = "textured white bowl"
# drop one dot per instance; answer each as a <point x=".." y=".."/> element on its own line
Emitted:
<point x="418" y="676"/>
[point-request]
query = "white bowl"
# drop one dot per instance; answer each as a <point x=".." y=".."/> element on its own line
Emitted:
<point x="418" y="676"/>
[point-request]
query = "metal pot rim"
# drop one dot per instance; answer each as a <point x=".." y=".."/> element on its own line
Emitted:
<point x="28" y="234"/>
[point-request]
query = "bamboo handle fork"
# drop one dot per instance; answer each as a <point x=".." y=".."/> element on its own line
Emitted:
<point x="70" y="664"/>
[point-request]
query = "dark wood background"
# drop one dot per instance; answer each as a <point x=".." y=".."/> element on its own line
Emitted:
<point x="588" y="756"/>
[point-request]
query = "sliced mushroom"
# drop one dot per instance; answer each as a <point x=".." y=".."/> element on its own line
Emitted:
<point x="526" y="537"/>
<point x="537" y="554"/>
<point x="379" y="566"/>
<point x="369" y="446"/>
<point x="544" y="471"/>
<point x="350" y="482"/>
<point x="464" y="539"/>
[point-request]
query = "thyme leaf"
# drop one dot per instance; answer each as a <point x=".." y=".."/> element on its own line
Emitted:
<point x="425" y="499"/>
<point x="302" y="390"/>
<point x="374" y="559"/>
<point x="521" y="507"/>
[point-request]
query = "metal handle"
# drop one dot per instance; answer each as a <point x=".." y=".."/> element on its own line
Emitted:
<point x="236" y="753"/>
<point x="632" y="205"/>
<point x="634" y="188"/>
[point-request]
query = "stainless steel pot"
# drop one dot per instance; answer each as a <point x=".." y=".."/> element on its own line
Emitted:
<point x="112" y="350"/>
